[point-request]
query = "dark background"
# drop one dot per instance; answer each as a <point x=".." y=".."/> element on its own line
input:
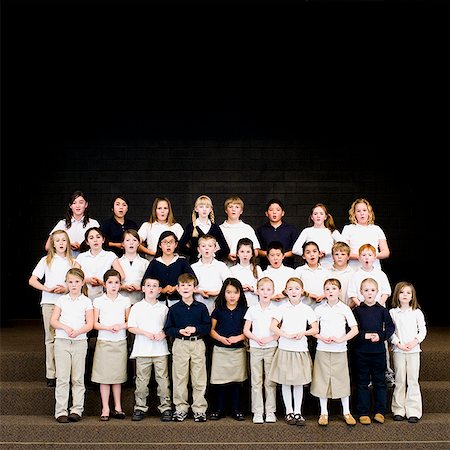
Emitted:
<point x="306" y="101"/>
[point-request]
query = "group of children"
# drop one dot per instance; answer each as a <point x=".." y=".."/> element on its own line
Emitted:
<point x="199" y="298"/>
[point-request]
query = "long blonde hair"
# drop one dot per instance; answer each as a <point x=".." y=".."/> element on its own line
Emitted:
<point x="52" y="252"/>
<point x="202" y="200"/>
<point x="352" y="215"/>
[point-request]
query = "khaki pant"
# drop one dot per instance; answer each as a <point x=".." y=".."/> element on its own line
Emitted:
<point x="260" y="361"/>
<point x="143" y="374"/>
<point x="189" y="357"/>
<point x="49" y="340"/>
<point x="70" y="357"/>
<point x="406" y="398"/>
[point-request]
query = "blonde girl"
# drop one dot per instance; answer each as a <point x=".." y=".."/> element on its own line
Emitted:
<point x="161" y="219"/>
<point x="203" y="222"/>
<point x="49" y="277"/>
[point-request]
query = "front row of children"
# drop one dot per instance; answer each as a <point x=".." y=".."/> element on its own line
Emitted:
<point x="278" y="348"/>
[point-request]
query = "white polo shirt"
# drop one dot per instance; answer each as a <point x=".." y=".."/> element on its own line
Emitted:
<point x="110" y="313"/>
<point x="409" y="324"/>
<point x="313" y="281"/>
<point x="73" y="314"/>
<point x="134" y="271"/>
<point x="210" y="276"/>
<point x="344" y="277"/>
<point x="261" y="320"/>
<point x="245" y="275"/>
<point x="150" y="232"/>
<point x="332" y="322"/>
<point x="152" y="318"/>
<point x="354" y="283"/>
<point x="279" y="277"/>
<point x="235" y="231"/>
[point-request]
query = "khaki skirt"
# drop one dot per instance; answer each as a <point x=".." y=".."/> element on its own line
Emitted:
<point x="290" y="367"/>
<point x="331" y="377"/>
<point x="229" y="365"/>
<point x="110" y="362"/>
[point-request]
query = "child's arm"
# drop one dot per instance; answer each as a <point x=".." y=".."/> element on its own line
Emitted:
<point x="147" y="334"/>
<point x="350" y="335"/>
<point x="116" y="265"/>
<point x="36" y="283"/>
<point x="56" y="324"/>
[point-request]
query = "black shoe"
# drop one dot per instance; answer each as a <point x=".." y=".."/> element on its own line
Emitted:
<point x="238" y="416"/>
<point x="138" y="415"/>
<point x="62" y="419"/>
<point x="74" y="417"/>
<point x="118" y="415"/>
<point x="166" y="416"/>
<point x="216" y="415"/>
<point x="398" y="418"/>
<point x="51" y="382"/>
<point x="413" y="419"/>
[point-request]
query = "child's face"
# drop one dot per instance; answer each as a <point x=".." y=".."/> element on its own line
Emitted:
<point x="234" y="211"/>
<point x="318" y="216"/>
<point x="162" y="211"/>
<point x="112" y="285"/>
<point x="361" y="213"/>
<point x="274" y="213"/>
<point x="245" y="253"/>
<point x="340" y="258"/>
<point x="369" y="291"/>
<point x="405" y="296"/>
<point x="203" y="210"/>
<point x="265" y="292"/>
<point x="231" y="296"/>
<point x="207" y="247"/>
<point x="186" y="290"/>
<point x="168" y="245"/>
<point x="95" y="240"/>
<point x="60" y="242"/>
<point x="331" y="292"/>
<point x="120" y="208"/>
<point x="130" y="243"/>
<point x="74" y="284"/>
<point x="79" y="206"/>
<point x="151" y="289"/>
<point x="367" y="257"/>
<point x="294" y="291"/>
<point x="311" y="255"/>
<point x="275" y="257"/>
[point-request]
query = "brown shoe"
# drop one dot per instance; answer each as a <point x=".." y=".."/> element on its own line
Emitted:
<point x="349" y="419"/>
<point x="74" y="417"/>
<point x="104" y="418"/>
<point x="323" y="420"/>
<point x="62" y="419"/>
<point x="378" y="418"/>
<point x="290" y="419"/>
<point x="365" y="420"/>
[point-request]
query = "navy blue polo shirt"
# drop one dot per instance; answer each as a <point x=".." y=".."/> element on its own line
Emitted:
<point x="182" y="315"/>
<point x="229" y="323"/>
<point x="113" y="230"/>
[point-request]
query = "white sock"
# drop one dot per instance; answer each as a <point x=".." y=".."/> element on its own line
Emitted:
<point x="298" y="399"/>
<point x="345" y="405"/>
<point x="323" y="406"/>
<point x="286" y="393"/>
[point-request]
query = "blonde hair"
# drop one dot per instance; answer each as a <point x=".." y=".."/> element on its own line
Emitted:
<point x="170" y="217"/>
<point x="233" y="199"/>
<point x="52" y="252"/>
<point x="263" y="280"/>
<point x="352" y="215"/>
<point x="77" y="272"/>
<point x="341" y="246"/>
<point x="202" y="200"/>
<point x="329" y="221"/>
<point x="368" y="281"/>
<point x="398" y="288"/>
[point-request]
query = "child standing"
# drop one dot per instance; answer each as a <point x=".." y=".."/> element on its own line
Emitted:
<point x="246" y="270"/>
<point x="277" y="271"/>
<point x="150" y="349"/>
<point x="229" y="357"/>
<point x="49" y="277"/>
<point x="276" y="229"/>
<point x="322" y="230"/>
<point x="362" y="230"/>
<point x="410" y="331"/>
<point x="263" y="344"/>
<point x="109" y="367"/>
<point x="76" y="222"/>
<point x="167" y="267"/>
<point x="291" y="366"/>
<point x="233" y="228"/>
<point x="72" y="318"/>
<point x="375" y="326"/>
<point x="188" y="322"/>
<point x="161" y="219"/>
<point x="331" y="376"/>
<point x="340" y="268"/>
<point x="202" y="223"/>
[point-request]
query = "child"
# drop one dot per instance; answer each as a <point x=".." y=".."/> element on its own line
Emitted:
<point x="229" y="357"/>
<point x="114" y="227"/>
<point x="72" y="318"/>
<point x="410" y="331"/>
<point x="233" y="228"/>
<point x="202" y="223"/>
<point x="369" y="352"/>
<point x="210" y="272"/>
<point x="76" y="222"/>
<point x="167" y="267"/>
<point x="133" y="265"/>
<point x="150" y="349"/>
<point x="96" y="261"/>
<point x="277" y="271"/>
<point x="276" y="229"/>
<point x="322" y="231"/>
<point x="263" y="344"/>
<point x="109" y="367"/>
<point x="246" y="270"/>
<point x="291" y="366"/>
<point x="161" y="219"/>
<point x="188" y="322"/>
<point x="312" y="274"/>
<point x="49" y="277"/>
<point x="331" y="376"/>
<point x="340" y="268"/>
<point x="362" y="230"/>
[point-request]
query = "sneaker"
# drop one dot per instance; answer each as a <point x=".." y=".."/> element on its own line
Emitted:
<point x="271" y="417"/>
<point x="365" y="420"/>
<point x="199" y="417"/>
<point x="179" y="416"/>
<point x="378" y="417"/>
<point x="166" y="416"/>
<point x="258" y="418"/>
<point x="138" y="415"/>
<point x="299" y="420"/>
<point x="323" y="420"/>
<point x="349" y="419"/>
<point x="389" y="378"/>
